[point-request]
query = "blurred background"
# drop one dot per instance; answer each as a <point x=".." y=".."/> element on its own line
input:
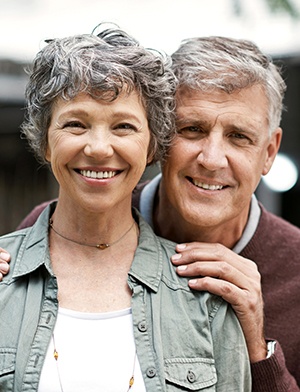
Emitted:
<point x="24" y="25"/>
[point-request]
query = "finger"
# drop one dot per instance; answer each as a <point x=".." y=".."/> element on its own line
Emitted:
<point x="220" y="271"/>
<point x="189" y="253"/>
<point x="244" y="302"/>
<point x="4" y="256"/>
<point x="4" y="268"/>
<point x="199" y="252"/>
<point x="224" y="289"/>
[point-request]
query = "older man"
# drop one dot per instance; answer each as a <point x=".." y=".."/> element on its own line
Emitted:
<point x="229" y="104"/>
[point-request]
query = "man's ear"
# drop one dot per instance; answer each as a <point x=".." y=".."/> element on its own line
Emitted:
<point x="272" y="150"/>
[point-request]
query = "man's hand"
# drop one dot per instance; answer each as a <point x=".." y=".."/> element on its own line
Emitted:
<point x="4" y="260"/>
<point x="220" y="271"/>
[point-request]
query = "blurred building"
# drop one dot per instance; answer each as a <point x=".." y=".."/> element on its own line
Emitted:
<point x="291" y="136"/>
<point x="24" y="183"/>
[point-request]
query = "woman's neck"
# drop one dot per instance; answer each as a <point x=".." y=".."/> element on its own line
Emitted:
<point x="91" y="226"/>
<point x="92" y="279"/>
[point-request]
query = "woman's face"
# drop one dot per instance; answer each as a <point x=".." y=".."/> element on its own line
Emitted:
<point x="97" y="149"/>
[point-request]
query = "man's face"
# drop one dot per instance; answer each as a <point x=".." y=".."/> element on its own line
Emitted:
<point x="216" y="161"/>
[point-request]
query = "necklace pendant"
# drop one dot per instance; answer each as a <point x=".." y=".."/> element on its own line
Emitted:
<point x="55" y="354"/>
<point x="131" y="382"/>
<point x="102" y="246"/>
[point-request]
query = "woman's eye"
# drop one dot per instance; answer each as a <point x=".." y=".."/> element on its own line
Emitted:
<point x="73" y="124"/>
<point x="126" y="127"/>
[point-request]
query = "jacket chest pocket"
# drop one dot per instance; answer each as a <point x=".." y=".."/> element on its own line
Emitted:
<point x="7" y="369"/>
<point x="192" y="374"/>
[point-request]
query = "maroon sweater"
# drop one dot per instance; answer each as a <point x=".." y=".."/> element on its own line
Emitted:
<point x="274" y="247"/>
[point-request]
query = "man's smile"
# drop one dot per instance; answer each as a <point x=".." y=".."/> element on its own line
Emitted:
<point x="206" y="186"/>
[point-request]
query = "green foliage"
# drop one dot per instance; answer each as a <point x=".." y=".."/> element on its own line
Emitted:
<point x="275" y="6"/>
<point x="283" y="5"/>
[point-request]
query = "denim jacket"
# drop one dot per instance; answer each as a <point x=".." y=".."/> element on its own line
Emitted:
<point x="185" y="340"/>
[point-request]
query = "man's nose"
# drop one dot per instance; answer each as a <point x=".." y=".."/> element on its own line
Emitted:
<point x="212" y="154"/>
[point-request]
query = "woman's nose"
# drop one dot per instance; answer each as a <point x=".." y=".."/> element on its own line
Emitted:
<point x="99" y="144"/>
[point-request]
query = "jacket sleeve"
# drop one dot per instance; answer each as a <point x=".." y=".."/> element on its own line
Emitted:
<point x="271" y="374"/>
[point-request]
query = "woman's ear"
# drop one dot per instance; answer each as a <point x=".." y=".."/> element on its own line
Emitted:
<point x="151" y="151"/>
<point x="47" y="154"/>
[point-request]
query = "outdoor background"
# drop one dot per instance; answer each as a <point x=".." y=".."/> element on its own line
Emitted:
<point x="161" y="24"/>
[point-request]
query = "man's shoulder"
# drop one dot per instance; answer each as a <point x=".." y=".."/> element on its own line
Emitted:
<point x="275" y="238"/>
<point x="277" y="226"/>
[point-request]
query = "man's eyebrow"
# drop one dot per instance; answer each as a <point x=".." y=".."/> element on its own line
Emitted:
<point x="182" y="121"/>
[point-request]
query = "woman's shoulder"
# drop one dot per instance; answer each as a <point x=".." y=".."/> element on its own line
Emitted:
<point x="26" y="247"/>
<point x="33" y="215"/>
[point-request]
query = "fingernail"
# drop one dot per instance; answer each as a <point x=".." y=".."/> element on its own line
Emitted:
<point x="4" y="256"/>
<point x="182" y="267"/>
<point x="181" y="246"/>
<point x="192" y="282"/>
<point x="177" y="256"/>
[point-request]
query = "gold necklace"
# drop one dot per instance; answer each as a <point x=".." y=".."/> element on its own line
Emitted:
<point x="55" y="356"/>
<point x="100" y="246"/>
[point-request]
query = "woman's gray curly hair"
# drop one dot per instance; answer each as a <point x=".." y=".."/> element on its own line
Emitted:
<point x="227" y="64"/>
<point x="102" y="65"/>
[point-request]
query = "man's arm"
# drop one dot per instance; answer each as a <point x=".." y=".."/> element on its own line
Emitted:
<point x="272" y="375"/>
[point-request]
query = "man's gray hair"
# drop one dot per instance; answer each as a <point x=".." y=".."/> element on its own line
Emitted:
<point x="229" y="65"/>
<point x="102" y="65"/>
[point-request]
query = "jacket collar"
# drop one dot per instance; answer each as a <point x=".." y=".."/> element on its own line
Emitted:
<point x="147" y="265"/>
<point x="34" y="252"/>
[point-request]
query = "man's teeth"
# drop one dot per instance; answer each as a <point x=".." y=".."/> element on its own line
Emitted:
<point x="207" y="186"/>
<point x="96" y="174"/>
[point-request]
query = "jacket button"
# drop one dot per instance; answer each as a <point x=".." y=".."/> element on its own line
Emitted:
<point x="151" y="372"/>
<point x="142" y="327"/>
<point x="191" y="376"/>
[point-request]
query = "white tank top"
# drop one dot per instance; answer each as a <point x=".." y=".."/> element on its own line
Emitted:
<point x="96" y="352"/>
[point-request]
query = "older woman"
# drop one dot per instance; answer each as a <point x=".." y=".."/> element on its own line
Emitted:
<point x="92" y="302"/>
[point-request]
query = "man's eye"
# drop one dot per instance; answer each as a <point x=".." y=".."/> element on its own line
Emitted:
<point x="189" y="129"/>
<point x="191" y="132"/>
<point x="240" y="138"/>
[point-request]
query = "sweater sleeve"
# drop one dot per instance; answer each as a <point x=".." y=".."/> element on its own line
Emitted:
<point x="271" y="375"/>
